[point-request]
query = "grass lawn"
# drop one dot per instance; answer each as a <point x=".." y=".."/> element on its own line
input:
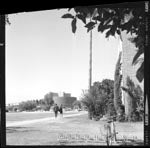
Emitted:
<point x="71" y="129"/>
<point x="23" y="116"/>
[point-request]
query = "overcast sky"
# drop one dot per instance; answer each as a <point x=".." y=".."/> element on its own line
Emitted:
<point x="43" y="55"/>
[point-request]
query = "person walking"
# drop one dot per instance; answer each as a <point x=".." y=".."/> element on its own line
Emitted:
<point x="56" y="109"/>
<point x="61" y="110"/>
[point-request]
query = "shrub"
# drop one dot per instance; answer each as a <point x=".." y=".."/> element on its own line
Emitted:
<point x="121" y="118"/>
<point x="99" y="99"/>
<point x="121" y="114"/>
<point x="111" y="110"/>
<point x="90" y="115"/>
<point x="96" y="118"/>
<point x="27" y="106"/>
<point x="135" y="101"/>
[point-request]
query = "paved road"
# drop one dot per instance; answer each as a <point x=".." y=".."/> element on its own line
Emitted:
<point x="50" y="119"/>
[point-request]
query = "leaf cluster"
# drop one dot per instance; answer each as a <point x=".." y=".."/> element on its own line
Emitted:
<point x="113" y="21"/>
<point x="100" y="97"/>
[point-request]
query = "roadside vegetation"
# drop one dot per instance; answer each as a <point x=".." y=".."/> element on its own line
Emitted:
<point x="99" y="101"/>
<point x="33" y="105"/>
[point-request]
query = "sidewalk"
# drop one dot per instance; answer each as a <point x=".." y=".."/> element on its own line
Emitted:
<point x="50" y="119"/>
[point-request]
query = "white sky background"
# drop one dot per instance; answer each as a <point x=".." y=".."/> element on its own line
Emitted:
<point x="43" y="55"/>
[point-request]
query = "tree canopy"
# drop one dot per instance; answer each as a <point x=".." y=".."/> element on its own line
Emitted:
<point x="100" y="96"/>
<point x="113" y="21"/>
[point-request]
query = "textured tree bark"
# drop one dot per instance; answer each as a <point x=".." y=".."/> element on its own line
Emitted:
<point x="130" y="104"/>
<point x="117" y="83"/>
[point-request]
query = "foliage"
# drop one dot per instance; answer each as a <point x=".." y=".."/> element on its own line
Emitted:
<point x="140" y="108"/>
<point x="48" y="100"/>
<point x="99" y="99"/>
<point x="77" y="103"/>
<point x="107" y="91"/>
<point x="11" y="108"/>
<point x="121" y="116"/>
<point x="33" y="105"/>
<point x="41" y="102"/>
<point x="117" y="83"/>
<point x="136" y="102"/>
<point x="27" y="106"/>
<point x="113" y="21"/>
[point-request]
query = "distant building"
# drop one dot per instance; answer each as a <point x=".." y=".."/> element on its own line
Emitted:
<point x="65" y="99"/>
<point x="54" y="94"/>
<point x="63" y="94"/>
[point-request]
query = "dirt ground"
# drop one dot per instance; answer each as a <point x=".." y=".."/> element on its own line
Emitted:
<point x="72" y="130"/>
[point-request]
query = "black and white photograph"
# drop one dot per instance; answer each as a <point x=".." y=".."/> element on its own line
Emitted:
<point x="75" y="76"/>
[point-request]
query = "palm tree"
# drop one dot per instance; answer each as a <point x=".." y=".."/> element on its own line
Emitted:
<point x="90" y="61"/>
<point x="84" y="13"/>
<point x="91" y="15"/>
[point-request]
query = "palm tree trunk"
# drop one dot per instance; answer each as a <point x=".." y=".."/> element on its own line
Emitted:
<point x="90" y="62"/>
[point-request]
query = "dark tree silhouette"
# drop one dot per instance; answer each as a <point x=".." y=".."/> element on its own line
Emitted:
<point x="114" y="21"/>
